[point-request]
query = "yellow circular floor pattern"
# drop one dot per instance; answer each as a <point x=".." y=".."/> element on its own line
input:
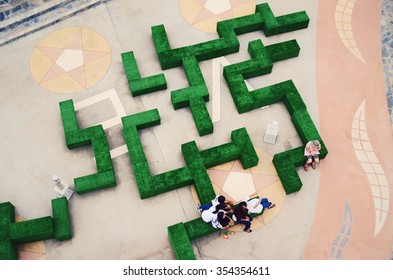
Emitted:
<point x="204" y="14"/>
<point x="236" y="183"/>
<point x="70" y="60"/>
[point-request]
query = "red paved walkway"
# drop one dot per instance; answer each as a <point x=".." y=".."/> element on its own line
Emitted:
<point x="354" y="191"/>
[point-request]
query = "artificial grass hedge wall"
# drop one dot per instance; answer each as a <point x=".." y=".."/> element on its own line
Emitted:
<point x="32" y="230"/>
<point x="245" y="101"/>
<point x="227" y="43"/>
<point x="61" y="218"/>
<point x="196" y="161"/>
<point x="194" y="96"/>
<point x="181" y="244"/>
<point x="8" y="250"/>
<point x="7" y="216"/>
<point x="95" y="135"/>
<point x="139" y="85"/>
<point x="260" y="64"/>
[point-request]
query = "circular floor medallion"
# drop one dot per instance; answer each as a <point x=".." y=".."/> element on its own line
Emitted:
<point x="70" y="60"/>
<point x="204" y="14"/>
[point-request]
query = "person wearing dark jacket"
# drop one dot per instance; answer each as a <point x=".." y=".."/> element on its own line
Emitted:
<point x="243" y="216"/>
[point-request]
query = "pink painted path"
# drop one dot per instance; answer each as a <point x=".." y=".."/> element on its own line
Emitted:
<point x="345" y="219"/>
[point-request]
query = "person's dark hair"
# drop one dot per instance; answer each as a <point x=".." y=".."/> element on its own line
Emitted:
<point x="243" y="203"/>
<point x="222" y="219"/>
<point x="221" y="205"/>
<point x="221" y="199"/>
<point x="239" y="211"/>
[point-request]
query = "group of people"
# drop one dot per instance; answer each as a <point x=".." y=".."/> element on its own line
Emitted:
<point x="222" y="213"/>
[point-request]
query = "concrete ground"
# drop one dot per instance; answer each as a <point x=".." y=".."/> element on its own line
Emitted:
<point x="342" y="210"/>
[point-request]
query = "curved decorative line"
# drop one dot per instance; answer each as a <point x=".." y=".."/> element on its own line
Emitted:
<point x="344" y="26"/>
<point x="371" y="166"/>
<point x="344" y="234"/>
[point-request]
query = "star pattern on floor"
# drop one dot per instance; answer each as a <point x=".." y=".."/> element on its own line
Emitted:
<point x="73" y="59"/>
<point x="204" y="14"/>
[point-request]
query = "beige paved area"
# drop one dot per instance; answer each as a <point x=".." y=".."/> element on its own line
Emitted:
<point x="342" y="210"/>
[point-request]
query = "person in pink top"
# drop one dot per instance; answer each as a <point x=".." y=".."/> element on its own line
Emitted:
<point x="311" y="152"/>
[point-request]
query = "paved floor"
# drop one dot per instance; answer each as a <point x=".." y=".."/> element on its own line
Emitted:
<point x="342" y="210"/>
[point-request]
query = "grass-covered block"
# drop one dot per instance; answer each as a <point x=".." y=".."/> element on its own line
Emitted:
<point x="148" y="84"/>
<point x="95" y="136"/>
<point x="130" y="66"/>
<point x="284" y="164"/>
<point x="142" y="120"/>
<point x="143" y="178"/>
<point x="283" y="50"/>
<point x="261" y="63"/>
<point x="200" y="114"/>
<point x="248" y="155"/>
<point x="276" y="25"/>
<point x="195" y="162"/>
<point x="83" y="137"/>
<point x="292" y="99"/>
<point x="181" y="244"/>
<point x="139" y="85"/>
<point x="181" y="98"/>
<point x="32" y="230"/>
<point x="7" y="213"/>
<point x="8" y="250"/>
<point x="61" y="218"/>
<point x="160" y="38"/>
<point x="198" y="228"/>
<point x="193" y="71"/>
<point x="7" y="216"/>
<point x="220" y="154"/>
<point x="304" y="126"/>
<point x="93" y="182"/>
<point x="68" y="116"/>
<point x="194" y="96"/>
<point x="172" y="180"/>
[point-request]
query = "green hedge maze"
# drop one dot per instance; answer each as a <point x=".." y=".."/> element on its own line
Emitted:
<point x="261" y="63"/>
<point x="193" y="97"/>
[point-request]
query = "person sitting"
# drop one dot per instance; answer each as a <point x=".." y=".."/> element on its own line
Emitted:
<point x="311" y="152"/>
<point x="222" y="221"/>
<point x="256" y="205"/>
<point x="266" y="203"/>
<point x="224" y="204"/>
<point x="219" y="202"/>
<point x="242" y="216"/>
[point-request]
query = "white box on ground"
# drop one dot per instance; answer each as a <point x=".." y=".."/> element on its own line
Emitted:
<point x="271" y="133"/>
<point x="63" y="189"/>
